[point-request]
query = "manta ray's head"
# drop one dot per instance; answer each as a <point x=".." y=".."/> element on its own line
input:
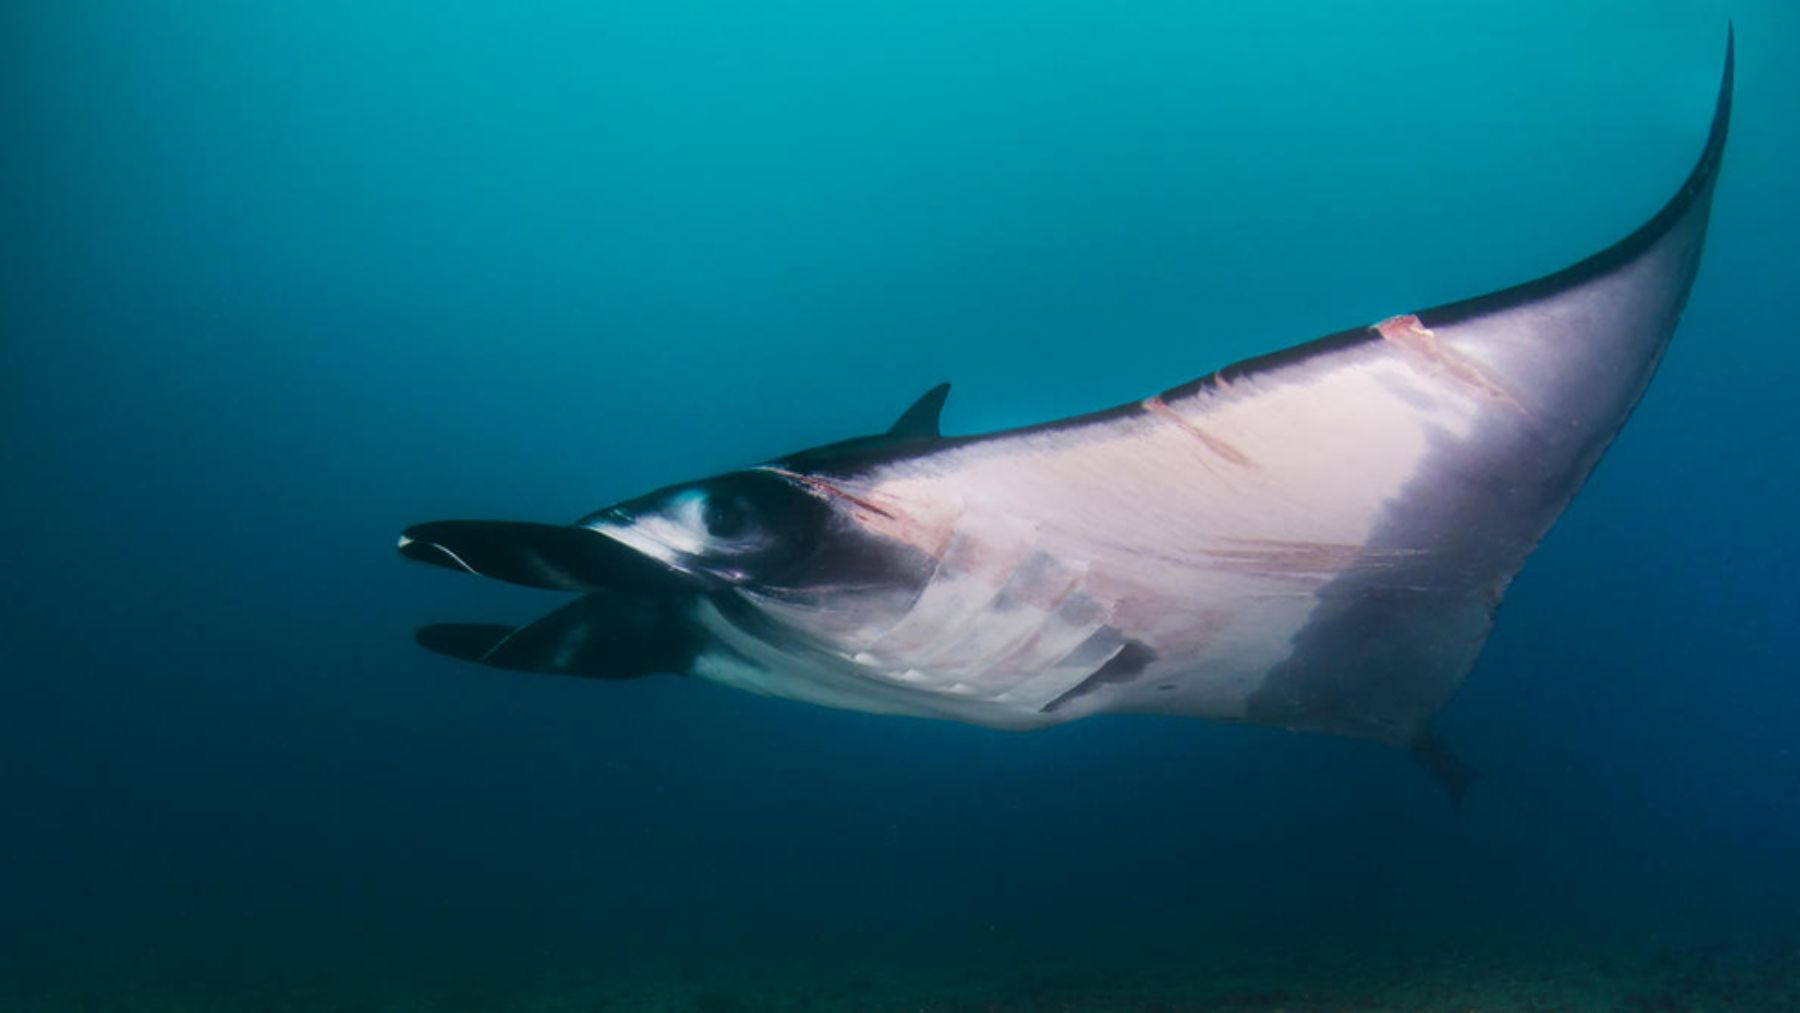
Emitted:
<point x="798" y="532"/>
<point x="651" y="566"/>
<point x="786" y="528"/>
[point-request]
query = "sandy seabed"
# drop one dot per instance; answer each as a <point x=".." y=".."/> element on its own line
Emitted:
<point x="1762" y="978"/>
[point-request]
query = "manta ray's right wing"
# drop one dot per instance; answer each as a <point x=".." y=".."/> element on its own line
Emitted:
<point x="1512" y="399"/>
<point x="1317" y="538"/>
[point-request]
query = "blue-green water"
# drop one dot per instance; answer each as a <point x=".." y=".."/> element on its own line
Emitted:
<point x="278" y="279"/>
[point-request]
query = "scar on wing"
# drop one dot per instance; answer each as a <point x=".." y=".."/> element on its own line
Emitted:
<point x="1421" y="344"/>
<point x="1278" y="557"/>
<point x="1218" y="446"/>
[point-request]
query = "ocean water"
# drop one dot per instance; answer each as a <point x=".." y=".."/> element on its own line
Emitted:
<point x="277" y="280"/>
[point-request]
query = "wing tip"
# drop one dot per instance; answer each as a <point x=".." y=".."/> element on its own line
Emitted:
<point x="1694" y="191"/>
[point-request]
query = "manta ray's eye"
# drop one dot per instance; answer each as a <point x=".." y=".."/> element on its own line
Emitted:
<point x="756" y="518"/>
<point x="725" y="515"/>
<point x="732" y="514"/>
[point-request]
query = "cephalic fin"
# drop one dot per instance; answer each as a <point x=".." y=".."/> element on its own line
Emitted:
<point x="549" y="556"/>
<point x="603" y="635"/>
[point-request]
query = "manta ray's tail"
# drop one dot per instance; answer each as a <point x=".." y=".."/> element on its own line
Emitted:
<point x="1456" y="774"/>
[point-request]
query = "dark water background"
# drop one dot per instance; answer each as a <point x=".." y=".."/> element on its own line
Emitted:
<point x="279" y="279"/>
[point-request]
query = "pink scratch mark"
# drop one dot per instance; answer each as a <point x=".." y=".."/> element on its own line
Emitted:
<point x="1225" y="450"/>
<point x="1408" y="334"/>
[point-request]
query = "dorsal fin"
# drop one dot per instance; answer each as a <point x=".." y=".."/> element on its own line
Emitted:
<point x="922" y="418"/>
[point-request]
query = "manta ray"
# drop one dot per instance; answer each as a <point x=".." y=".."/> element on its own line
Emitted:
<point x="1316" y="539"/>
